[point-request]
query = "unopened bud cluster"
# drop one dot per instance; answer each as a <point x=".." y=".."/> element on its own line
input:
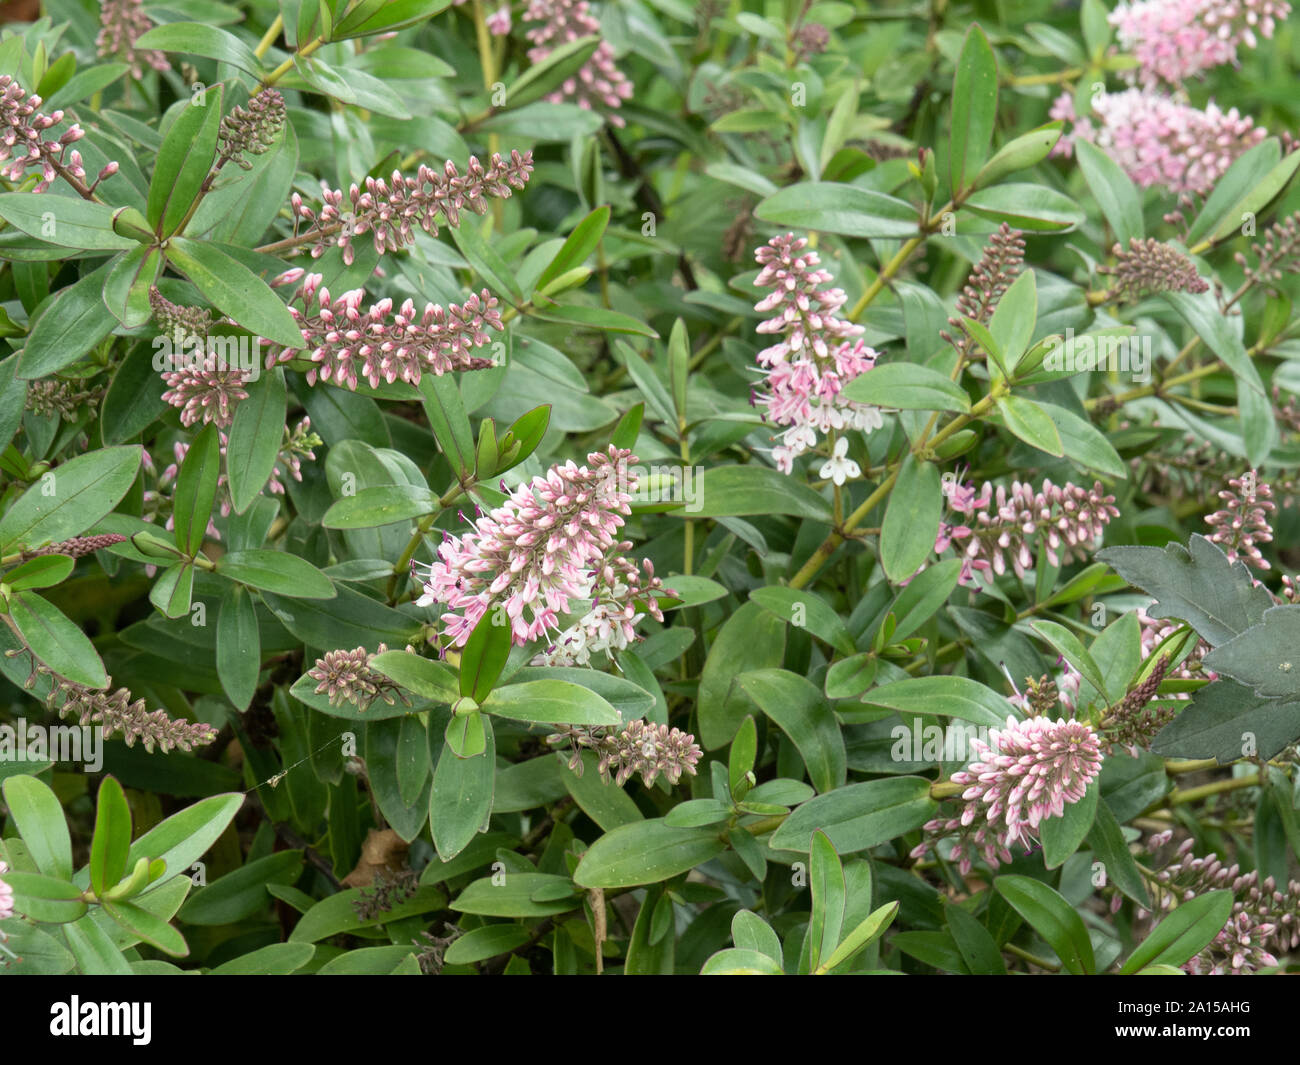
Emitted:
<point x="252" y="130"/>
<point x="346" y="677"/>
<point x="390" y="210"/>
<point x="625" y="750"/>
<point x="1149" y="266"/>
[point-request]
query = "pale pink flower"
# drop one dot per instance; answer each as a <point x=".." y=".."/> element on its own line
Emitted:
<point x="6" y="896"/>
<point x="390" y="210"/>
<point x="818" y="354"/>
<point x="1158" y="140"/>
<point x="599" y="81"/>
<point x="547" y="548"/>
<point x="22" y="126"/>
<point x="1243" y="521"/>
<point x="122" y="23"/>
<point x="1029" y="772"/>
<point x="1173" y="40"/>
<point x="999" y="524"/>
<point x="348" y="341"/>
<point x="498" y="23"/>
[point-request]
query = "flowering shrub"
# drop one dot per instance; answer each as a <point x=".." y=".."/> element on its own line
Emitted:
<point x="550" y="487"/>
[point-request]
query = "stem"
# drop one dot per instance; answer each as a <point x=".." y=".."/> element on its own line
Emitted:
<point x="268" y="38"/>
<point x="1181" y="798"/>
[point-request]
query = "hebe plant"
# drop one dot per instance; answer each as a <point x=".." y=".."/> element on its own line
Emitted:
<point x="655" y="488"/>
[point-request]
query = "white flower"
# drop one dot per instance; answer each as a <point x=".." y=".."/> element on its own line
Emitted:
<point x="839" y="467"/>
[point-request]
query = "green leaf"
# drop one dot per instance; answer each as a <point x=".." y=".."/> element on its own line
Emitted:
<point x="279" y="959"/>
<point x="541" y="78"/>
<point x="577" y="314"/>
<point x="490" y="941"/>
<point x="912" y="519"/>
<point x="349" y="620"/>
<point x="196" y="489"/>
<point x="427" y="678"/>
<point x="1063" y="835"/>
<point x="184" y="160"/>
<point x="1196" y="584"/>
<point x="197" y="38"/>
<point x="185" y="837"/>
<point x="1084" y="443"/>
<point x="974" y="108"/>
<point x="907" y="386"/>
<point x="807" y="610"/>
<point x="46" y="899"/>
<point x="1261" y="657"/>
<point x="1031" y="423"/>
<point x="445" y="410"/>
<point x="63" y="220"/>
<point x="828" y="890"/>
<point x="737" y="962"/>
<point x="43" y="571"/>
<point x="844" y="209"/>
<point x="126" y="289"/>
<point x="604" y="802"/>
<point x="1182" y="934"/>
<point x="239" y="647"/>
<point x="579" y="245"/>
<point x="1106" y="839"/>
<point x="255" y="438"/>
<point x="1201" y="312"/>
<point x="144" y="926"/>
<point x="551" y="702"/>
<point x="381" y="505"/>
<point x="70" y="499"/>
<point x="1227" y="721"/>
<point x="350" y="85"/>
<point x="1114" y="192"/>
<point x="802" y="713"/>
<point x="645" y="852"/>
<point x="1067" y="645"/>
<point x="727" y="491"/>
<point x="484" y="656"/>
<point x="38" y="816"/>
<point x="112" y="837"/>
<point x="1232" y="188"/>
<point x="1263" y="192"/>
<point x="923" y="596"/>
<point x="276" y="571"/>
<point x="236" y="291"/>
<point x="1031" y="207"/>
<point x="858" y="816"/>
<point x="1012" y="324"/>
<point x="173" y="592"/>
<point x="382" y="16"/>
<point x="1020" y="153"/>
<point x="57" y="642"/>
<point x="73" y="322"/>
<point x="751" y="638"/>
<point x="977" y="946"/>
<point x="460" y="803"/>
<point x="867" y="931"/>
<point x="740" y="759"/>
<point x="520" y="895"/>
<point x="958" y="697"/>
<point x="1053" y="918"/>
